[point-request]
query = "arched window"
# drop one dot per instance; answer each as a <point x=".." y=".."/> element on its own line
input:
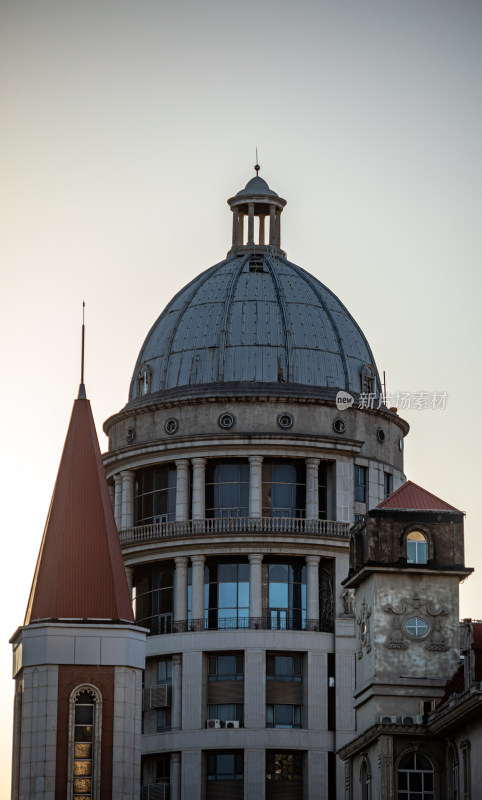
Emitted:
<point x="415" y="778"/>
<point x="452" y="772"/>
<point x="367" y="379"/>
<point x="143" y="380"/>
<point x="366" y="779"/>
<point x="417" y="548"/>
<point x="85" y="722"/>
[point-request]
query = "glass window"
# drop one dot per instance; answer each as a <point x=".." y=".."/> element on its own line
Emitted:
<point x="227" y="489"/>
<point x="361" y="480"/>
<point x="154" y="598"/>
<point x="163" y="719"/>
<point x="417" y="549"/>
<point x="367" y="379"/>
<point x="85" y="723"/>
<point x="283" y="716"/>
<point x="416" y="626"/>
<point x="467" y="788"/>
<point x="155" y="495"/>
<point x="387" y="484"/>
<point x="366" y="781"/>
<point x="226" y="712"/>
<point x="284" y="594"/>
<point x="283" y="767"/>
<point x="415" y="778"/>
<point x="226" y="595"/>
<point x="226" y="667"/>
<point x="322" y="490"/>
<point x="283" y="668"/>
<point x="225" y="766"/>
<point x="164" y="670"/>
<point x="283" y="488"/>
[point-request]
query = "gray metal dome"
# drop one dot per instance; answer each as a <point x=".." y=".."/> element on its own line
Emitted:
<point x="254" y="317"/>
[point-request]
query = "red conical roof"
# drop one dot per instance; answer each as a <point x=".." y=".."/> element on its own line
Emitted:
<point x="80" y="573"/>
<point x="411" y="497"/>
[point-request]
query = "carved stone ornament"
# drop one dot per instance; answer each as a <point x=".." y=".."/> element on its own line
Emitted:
<point x="416" y="620"/>
<point x="348" y="596"/>
<point x="362" y="621"/>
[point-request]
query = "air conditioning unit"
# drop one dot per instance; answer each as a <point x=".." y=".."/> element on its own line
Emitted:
<point x="232" y="723"/>
<point x="213" y="723"/>
<point x="159" y="519"/>
<point x="417" y="719"/>
<point x="387" y="720"/>
<point x="157" y="697"/>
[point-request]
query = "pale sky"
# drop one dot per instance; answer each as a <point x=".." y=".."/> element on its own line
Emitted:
<point x="127" y="125"/>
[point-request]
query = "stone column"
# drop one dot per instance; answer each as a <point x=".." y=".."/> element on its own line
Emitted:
<point x="255" y="774"/>
<point x="175" y="777"/>
<point x="182" y="489"/>
<point x="191" y="775"/>
<point x="197" y="610"/>
<point x="127" y="515"/>
<point x="312" y="494"/>
<point x="180" y="591"/>
<point x="250" y="223"/>
<point x="235" y="227"/>
<point x="312" y="589"/>
<point x="118" y="499"/>
<point x="198" y="488"/>
<point x="176" y="699"/>
<point x="261" y="228"/>
<point x="112" y="494"/>
<point x="130" y="579"/>
<point x="272" y="226"/>
<point x="255" y="577"/>
<point x="240" y="228"/>
<point x="255" y="486"/>
<point x="278" y="227"/>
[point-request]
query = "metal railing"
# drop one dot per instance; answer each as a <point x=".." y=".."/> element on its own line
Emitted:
<point x="156" y="791"/>
<point x="157" y="624"/>
<point x="229" y="525"/>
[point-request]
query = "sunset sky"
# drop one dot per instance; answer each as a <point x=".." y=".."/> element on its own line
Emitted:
<point x="127" y="125"/>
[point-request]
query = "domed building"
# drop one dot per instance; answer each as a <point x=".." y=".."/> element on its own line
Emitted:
<point x="235" y="479"/>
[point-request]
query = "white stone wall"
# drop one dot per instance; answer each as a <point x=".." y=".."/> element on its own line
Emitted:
<point x="126" y="755"/>
<point x="38" y="734"/>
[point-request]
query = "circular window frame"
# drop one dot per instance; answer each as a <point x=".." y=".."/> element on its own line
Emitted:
<point x="413" y="636"/>
<point x="341" y="425"/>
<point x="285" y="426"/>
<point x="171" y="426"/>
<point x="381" y="436"/>
<point x="228" y="423"/>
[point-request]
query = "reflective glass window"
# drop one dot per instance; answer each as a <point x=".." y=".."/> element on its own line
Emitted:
<point x="226" y="594"/>
<point x="226" y="712"/>
<point x="155" y="495"/>
<point x="84" y="737"/>
<point x="226" y="667"/>
<point x="283" y="488"/>
<point x="283" y="716"/>
<point x="225" y="766"/>
<point x="283" y="668"/>
<point x="417" y="549"/>
<point x="283" y="766"/>
<point x="284" y="594"/>
<point x="361" y="481"/>
<point x="227" y="488"/>
<point x="154" y="598"/>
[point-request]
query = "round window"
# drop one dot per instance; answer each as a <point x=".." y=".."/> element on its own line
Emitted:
<point x="381" y="435"/>
<point x="339" y="426"/>
<point x="285" y="421"/>
<point x="171" y="425"/>
<point x="226" y="421"/>
<point x="416" y="627"/>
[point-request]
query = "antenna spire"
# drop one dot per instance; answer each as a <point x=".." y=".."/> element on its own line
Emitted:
<point x="256" y="166"/>
<point x="82" y="395"/>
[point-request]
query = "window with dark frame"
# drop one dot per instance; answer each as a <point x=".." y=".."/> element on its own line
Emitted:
<point x="283" y="716"/>
<point x="226" y="667"/>
<point x="225" y="766"/>
<point x="284" y="668"/>
<point x="361" y="482"/>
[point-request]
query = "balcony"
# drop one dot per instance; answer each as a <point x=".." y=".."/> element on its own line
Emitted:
<point x="156" y="791"/>
<point x="165" y="623"/>
<point x="232" y="525"/>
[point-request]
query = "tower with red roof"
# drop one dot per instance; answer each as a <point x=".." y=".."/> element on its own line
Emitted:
<point x="78" y="658"/>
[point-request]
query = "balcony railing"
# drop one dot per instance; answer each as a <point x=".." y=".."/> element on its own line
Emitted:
<point x="156" y="791"/>
<point x="165" y="623"/>
<point x="230" y="525"/>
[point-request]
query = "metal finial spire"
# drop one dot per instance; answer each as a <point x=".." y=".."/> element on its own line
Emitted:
<point x="82" y="395"/>
<point x="256" y="166"/>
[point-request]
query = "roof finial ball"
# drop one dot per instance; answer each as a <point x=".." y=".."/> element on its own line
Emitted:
<point x="256" y="202"/>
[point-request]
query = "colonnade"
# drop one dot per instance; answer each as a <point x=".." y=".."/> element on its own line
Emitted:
<point x="124" y="490"/>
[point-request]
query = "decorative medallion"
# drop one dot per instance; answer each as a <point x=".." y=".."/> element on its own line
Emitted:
<point x="416" y="620"/>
